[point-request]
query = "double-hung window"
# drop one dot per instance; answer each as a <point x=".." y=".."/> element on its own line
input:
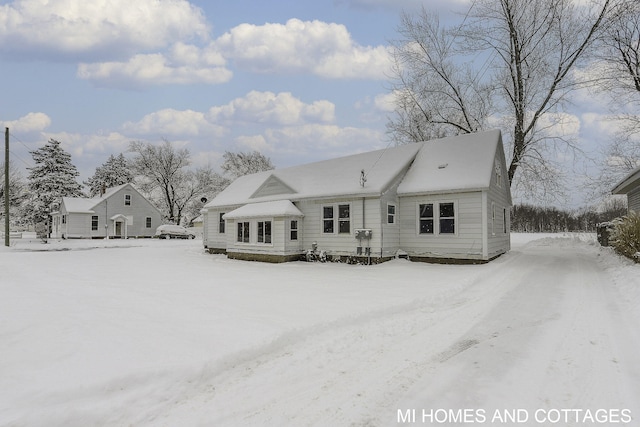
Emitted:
<point x="344" y="219"/>
<point x="243" y="232"/>
<point x="94" y="223"/>
<point x="327" y="219"/>
<point x="294" y="229"/>
<point x="447" y="218"/>
<point x="426" y="218"/>
<point x="221" y="223"/>
<point x="264" y="231"/>
<point x="391" y="214"/>
<point x="148" y="222"/>
<point x="127" y="199"/>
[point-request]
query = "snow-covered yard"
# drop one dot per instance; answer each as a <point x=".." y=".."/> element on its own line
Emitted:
<point x="148" y="332"/>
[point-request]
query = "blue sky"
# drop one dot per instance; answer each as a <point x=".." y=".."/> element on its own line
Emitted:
<point x="297" y="80"/>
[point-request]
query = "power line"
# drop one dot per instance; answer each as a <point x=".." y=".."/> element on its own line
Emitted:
<point x="19" y="140"/>
<point x="28" y="165"/>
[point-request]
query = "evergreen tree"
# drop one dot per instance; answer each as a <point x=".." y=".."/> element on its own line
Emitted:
<point x="115" y="171"/>
<point x="52" y="177"/>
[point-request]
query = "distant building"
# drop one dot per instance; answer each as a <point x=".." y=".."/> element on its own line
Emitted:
<point x="630" y="186"/>
<point x="446" y="200"/>
<point x="121" y="212"/>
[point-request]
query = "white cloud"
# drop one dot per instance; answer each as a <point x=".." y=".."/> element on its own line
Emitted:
<point x="183" y="64"/>
<point x="32" y="122"/>
<point x="274" y="109"/>
<point x="170" y="122"/>
<point x="324" y="49"/>
<point x="312" y="142"/>
<point x="94" y="28"/>
<point x="255" y="108"/>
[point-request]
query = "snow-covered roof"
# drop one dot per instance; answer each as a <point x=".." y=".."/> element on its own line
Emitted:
<point x="458" y="163"/>
<point x="270" y="209"/>
<point x="628" y="183"/>
<point x="328" y="178"/>
<point x="468" y="160"/>
<point x="79" y="204"/>
<point x="86" y="205"/>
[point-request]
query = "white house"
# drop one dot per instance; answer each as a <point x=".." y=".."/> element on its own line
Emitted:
<point x="446" y="200"/>
<point x="630" y="186"/>
<point x="121" y="212"/>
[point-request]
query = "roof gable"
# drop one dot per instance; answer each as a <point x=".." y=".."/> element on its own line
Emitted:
<point x="271" y="187"/>
<point x="86" y="205"/>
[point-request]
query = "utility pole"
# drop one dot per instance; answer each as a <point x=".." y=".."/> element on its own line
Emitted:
<point x="6" y="187"/>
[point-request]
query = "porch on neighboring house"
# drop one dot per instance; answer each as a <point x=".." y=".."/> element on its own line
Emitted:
<point x="119" y="228"/>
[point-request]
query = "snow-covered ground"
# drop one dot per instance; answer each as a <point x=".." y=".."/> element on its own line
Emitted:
<point x="159" y="333"/>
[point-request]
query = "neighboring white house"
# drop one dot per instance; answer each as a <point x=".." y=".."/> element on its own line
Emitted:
<point x="121" y="212"/>
<point x="630" y="186"/>
<point x="444" y="200"/>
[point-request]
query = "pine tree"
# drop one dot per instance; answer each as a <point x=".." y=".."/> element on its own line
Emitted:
<point x="115" y="171"/>
<point x="53" y="177"/>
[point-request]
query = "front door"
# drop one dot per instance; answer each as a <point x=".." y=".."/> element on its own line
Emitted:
<point x="118" y="229"/>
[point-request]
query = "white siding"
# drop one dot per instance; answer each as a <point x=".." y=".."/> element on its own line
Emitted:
<point x="465" y="243"/>
<point x="137" y="213"/>
<point x="342" y="244"/>
<point x="77" y="226"/>
<point x="633" y="198"/>
<point x="215" y="239"/>
<point x="498" y="241"/>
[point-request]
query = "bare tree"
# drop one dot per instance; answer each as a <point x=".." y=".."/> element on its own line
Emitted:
<point x="617" y="74"/>
<point x="17" y="192"/>
<point x="162" y="174"/>
<point x="239" y="164"/>
<point x="436" y="95"/>
<point x="525" y="51"/>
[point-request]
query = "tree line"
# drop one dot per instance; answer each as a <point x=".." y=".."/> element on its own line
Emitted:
<point x="161" y="172"/>
<point x="527" y="218"/>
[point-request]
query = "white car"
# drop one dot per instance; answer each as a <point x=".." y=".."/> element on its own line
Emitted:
<point x="169" y="231"/>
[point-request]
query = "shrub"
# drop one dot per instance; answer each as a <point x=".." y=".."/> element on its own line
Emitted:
<point x="625" y="238"/>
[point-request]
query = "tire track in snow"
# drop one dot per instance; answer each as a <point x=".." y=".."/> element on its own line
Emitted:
<point x="324" y="374"/>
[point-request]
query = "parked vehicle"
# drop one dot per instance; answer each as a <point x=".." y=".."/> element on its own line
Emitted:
<point x="169" y="231"/>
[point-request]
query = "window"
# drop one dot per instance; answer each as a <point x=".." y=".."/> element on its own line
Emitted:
<point x="221" y="223"/>
<point x="437" y="218"/>
<point x="391" y="214"/>
<point x="243" y="232"/>
<point x="148" y="222"/>
<point x="294" y="229"/>
<point x="64" y="219"/>
<point x="327" y="219"/>
<point x="447" y="218"/>
<point x="264" y="232"/>
<point x="493" y="219"/>
<point x="344" y="219"/>
<point x="94" y="223"/>
<point x="426" y="218"/>
<point x="504" y="223"/>
<point x="498" y="170"/>
<point x="127" y="199"/>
